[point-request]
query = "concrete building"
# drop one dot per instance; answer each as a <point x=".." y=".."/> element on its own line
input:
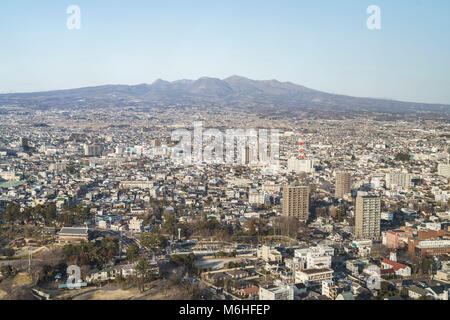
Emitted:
<point x="329" y="289"/>
<point x="135" y="225"/>
<point x="398" y="179"/>
<point x="255" y="197"/>
<point x="23" y="142"/>
<point x="343" y="184"/>
<point x="444" y="170"/>
<point x="296" y="202"/>
<point x="313" y="276"/>
<point x="282" y="292"/>
<point x="298" y="166"/>
<point x="269" y="254"/>
<point x="368" y="217"/>
<point x="398" y="238"/>
<point x="93" y="150"/>
<point x="319" y="257"/>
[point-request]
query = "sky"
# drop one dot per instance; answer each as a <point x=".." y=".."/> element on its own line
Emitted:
<point x="321" y="44"/>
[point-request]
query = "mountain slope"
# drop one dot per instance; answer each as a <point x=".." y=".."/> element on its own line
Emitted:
<point x="232" y="91"/>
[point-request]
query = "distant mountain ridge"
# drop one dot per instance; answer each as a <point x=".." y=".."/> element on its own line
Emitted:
<point x="232" y="91"/>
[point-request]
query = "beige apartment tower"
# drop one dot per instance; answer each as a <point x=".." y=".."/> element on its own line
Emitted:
<point x="296" y="202"/>
<point x="368" y="217"/>
<point x="343" y="184"/>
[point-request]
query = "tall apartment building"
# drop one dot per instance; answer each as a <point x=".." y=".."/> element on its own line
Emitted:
<point x="368" y="217"/>
<point x="398" y="179"/>
<point x="296" y="202"/>
<point x="444" y="170"/>
<point x="23" y="142"/>
<point x="93" y="150"/>
<point x="246" y="155"/>
<point x="343" y="184"/>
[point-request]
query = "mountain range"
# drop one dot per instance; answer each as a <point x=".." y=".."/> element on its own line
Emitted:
<point x="234" y="91"/>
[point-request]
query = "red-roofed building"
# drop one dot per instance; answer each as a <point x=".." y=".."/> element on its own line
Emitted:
<point x="250" y="291"/>
<point x="399" y="268"/>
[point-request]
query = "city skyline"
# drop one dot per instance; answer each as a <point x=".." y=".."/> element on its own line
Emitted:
<point x="230" y="153"/>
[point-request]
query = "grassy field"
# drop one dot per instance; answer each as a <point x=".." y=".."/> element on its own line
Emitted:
<point x="158" y="290"/>
<point x="22" y="279"/>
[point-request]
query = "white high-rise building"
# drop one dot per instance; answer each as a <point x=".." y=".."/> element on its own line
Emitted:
<point x="299" y="166"/>
<point x="444" y="170"/>
<point x="398" y="179"/>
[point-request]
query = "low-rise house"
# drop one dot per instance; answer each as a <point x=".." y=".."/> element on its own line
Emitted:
<point x="399" y="268"/>
<point x="415" y="292"/>
<point x="249" y="292"/>
<point x="237" y="274"/>
<point x="439" y="292"/>
<point x="443" y="275"/>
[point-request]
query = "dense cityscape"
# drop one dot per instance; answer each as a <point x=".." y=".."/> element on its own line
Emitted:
<point x="94" y="206"/>
<point x="224" y="159"/>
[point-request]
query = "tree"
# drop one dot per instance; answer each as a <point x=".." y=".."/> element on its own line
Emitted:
<point x="12" y="212"/>
<point x="340" y="213"/>
<point x="286" y="226"/>
<point x="7" y="271"/>
<point x="154" y="240"/>
<point x="170" y="223"/>
<point x="427" y="265"/>
<point x="402" y="157"/>
<point x="252" y="227"/>
<point x="132" y="252"/>
<point x="142" y="272"/>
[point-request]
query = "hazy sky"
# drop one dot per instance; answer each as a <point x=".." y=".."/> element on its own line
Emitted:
<point x="321" y="44"/>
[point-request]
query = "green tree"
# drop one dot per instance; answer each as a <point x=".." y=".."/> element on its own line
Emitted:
<point x="340" y="213"/>
<point x="132" y="252"/>
<point x="402" y="157"/>
<point x="142" y="273"/>
<point x="170" y="223"/>
<point x="12" y="212"/>
<point x="154" y="240"/>
<point x="427" y="265"/>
